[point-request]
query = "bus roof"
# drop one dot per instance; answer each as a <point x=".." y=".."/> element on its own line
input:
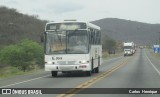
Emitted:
<point x="88" y="23"/>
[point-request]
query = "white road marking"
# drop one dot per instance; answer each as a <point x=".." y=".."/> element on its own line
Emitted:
<point x="41" y="77"/>
<point x="153" y="65"/>
<point x="25" y="81"/>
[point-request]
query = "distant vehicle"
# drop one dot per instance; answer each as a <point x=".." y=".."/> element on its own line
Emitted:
<point x="72" y="46"/>
<point x="112" y="51"/>
<point x="129" y="48"/>
<point x="141" y="47"/>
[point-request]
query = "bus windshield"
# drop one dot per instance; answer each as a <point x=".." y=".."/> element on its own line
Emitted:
<point x="128" y="47"/>
<point x="67" y="42"/>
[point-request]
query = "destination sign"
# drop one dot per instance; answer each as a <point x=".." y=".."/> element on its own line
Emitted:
<point x="66" y="26"/>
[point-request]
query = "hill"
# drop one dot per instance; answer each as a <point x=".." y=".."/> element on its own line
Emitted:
<point x="15" y="26"/>
<point x="126" y="30"/>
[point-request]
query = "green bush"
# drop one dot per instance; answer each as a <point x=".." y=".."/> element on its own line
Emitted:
<point x="108" y="44"/>
<point x="22" y="55"/>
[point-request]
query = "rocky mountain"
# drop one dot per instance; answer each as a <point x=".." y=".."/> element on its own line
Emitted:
<point x="126" y="30"/>
<point x="15" y="26"/>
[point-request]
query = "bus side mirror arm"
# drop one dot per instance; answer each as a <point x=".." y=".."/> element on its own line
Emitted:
<point x="42" y="38"/>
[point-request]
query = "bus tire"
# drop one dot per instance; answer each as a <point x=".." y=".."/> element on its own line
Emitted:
<point x="88" y="73"/>
<point x="97" y="70"/>
<point x="65" y="72"/>
<point x="92" y="69"/>
<point x="54" y="73"/>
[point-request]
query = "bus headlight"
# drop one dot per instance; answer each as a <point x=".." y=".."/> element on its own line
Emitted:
<point x="83" y="62"/>
<point x="49" y="62"/>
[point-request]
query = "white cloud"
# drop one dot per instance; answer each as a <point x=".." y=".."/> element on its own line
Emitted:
<point x="64" y="7"/>
<point x="139" y="10"/>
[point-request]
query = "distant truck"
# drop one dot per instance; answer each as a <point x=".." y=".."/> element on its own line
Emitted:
<point x="129" y="48"/>
<point x="141" y="47"/>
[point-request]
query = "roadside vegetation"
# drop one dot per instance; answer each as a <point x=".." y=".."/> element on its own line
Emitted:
<point x="15" y="26"/>
<point x="25" y="56"/>
<point x="20" y="48"/>
<point x="20" y="51"/>
<point x="151" y="51"/>
<point x="157" y="55"/>
<point x="106" y="56"/>
<point x="111" y="48"/>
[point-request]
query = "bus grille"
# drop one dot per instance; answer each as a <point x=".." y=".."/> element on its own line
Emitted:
<point x="66" y="62"/>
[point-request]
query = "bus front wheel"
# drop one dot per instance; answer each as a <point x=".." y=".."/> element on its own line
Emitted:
<point x="54" y="73"/>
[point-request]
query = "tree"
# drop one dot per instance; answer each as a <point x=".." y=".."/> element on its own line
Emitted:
<point x="109" y="44"/>
<point x="22" y="55"/>
<point x="15" y="26"/>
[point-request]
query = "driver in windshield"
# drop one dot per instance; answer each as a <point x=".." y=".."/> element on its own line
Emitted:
<point x="80" y="42"/>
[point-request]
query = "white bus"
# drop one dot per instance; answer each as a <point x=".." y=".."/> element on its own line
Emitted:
<point x="72" y="46"/>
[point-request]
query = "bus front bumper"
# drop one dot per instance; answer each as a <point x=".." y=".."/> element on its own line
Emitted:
<point x="83" y="67"/>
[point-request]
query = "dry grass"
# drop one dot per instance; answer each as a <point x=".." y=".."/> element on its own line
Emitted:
<point x="105" y="55"/>
<point x="13" y="71"/>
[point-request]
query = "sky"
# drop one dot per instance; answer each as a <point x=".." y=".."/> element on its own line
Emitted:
<point x="147" y="11"/>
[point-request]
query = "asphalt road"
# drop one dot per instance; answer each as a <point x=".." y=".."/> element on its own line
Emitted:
<point x="141" y="70"/>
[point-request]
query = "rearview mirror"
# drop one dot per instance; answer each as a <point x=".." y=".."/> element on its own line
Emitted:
<point x="42" y="37"/>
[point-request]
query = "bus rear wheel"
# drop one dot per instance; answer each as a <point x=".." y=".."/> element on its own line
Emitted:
<point x="97" y="70"/>
<point x="88" y="73"/>
<point x="54" y="73"/>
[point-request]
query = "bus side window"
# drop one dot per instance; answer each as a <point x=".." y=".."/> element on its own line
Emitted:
<point x="92" y="36"/>
<point x="98" y="37"/>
